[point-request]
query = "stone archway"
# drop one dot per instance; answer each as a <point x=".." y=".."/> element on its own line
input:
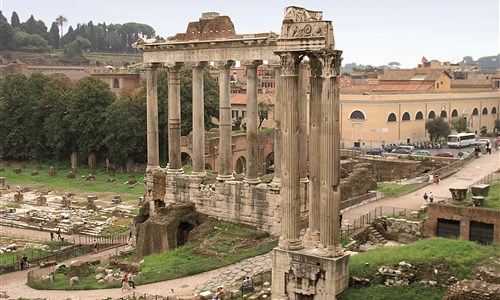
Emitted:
<point x="270" y="163"/>
<point x="240" y="165"/>
<point x="186" y="159"/>
<point x="182" y="233"/>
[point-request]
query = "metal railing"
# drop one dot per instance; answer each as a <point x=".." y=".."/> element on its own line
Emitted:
<point x="371" y="196"/>
<point x="494" y="176"/>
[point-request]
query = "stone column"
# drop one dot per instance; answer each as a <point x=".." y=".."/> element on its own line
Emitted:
<point x="252" y="174"/>
<point x="329" y="241"/>
<point x="316" y="82"/>
<point x="225" y="123"/>
<point x="198" y="121"/>
<point x="152" y="117"/>
<point x="174" y="119"/>
<point x="304" y="74"/>
<point x="290" y="189"/>
<point x="276" y="183"/>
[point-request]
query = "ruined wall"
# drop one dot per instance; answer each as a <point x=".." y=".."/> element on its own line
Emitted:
<point x="464" y="214"/>
<point x="357" y="178"/>
<point x="231" y="201"/>
<point x="387" y="170"/>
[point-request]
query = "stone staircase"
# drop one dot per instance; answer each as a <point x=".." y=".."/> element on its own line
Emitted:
<point x="373" y="232"/>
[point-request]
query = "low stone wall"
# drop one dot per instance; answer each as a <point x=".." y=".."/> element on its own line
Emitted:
<point x="404" y="226"/>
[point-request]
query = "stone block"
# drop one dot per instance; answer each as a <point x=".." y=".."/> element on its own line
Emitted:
<point x="35" y="173"/>
<point x="478" y="200"/>
<point x="17" y="170"/>
<point x="480" y="190"/>
<point x="74" y="280"/>
<point x="79" y="269"/>
<point x="48" y="264"/>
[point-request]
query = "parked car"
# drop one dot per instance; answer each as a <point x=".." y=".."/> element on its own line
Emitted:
<point x="444" y="154"/>
<point x="421" y="153"/>
<point x="482" y="142"/>
<point x="400" y="150"/>
<point x="375" y="151"/>
<point x="355" y="148"/>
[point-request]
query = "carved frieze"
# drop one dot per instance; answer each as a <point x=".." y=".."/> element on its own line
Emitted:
<point x="300" y="14"/>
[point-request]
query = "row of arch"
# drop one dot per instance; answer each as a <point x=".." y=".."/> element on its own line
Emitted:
<point x="359" y="115"/>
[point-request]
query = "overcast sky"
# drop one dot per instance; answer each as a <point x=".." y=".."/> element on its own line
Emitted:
<point x="369" y="32"/>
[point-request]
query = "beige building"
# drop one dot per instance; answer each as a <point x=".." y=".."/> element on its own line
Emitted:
<point x="371" y="120"/>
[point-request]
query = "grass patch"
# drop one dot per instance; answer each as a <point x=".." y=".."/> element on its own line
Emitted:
<point x="380" y="292"/>
<point x="458" y="257"/>
<point x="31" y="252"/>
<point x="60" y="182"/>
<point x="461" y="256"/>
<point x="397" y="189"/>
<point x="225" y="245"/>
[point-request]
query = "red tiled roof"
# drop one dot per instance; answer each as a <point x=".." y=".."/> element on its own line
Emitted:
<point x="242" y="98"/>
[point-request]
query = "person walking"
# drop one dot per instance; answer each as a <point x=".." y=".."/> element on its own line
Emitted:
<point x="436" y="178"/>
<point x="131" y="280"/>
<point x="488" y="147"/>
<point x="51" y="236"/>
<point x="125" y="284"/>
<point x="431" y="197"/>
<point x="426" y="197"/>
<point x="95" y="246"/>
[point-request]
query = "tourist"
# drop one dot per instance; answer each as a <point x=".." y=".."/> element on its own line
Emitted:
<point x="488" y="147"/>
<point x="425" y="198"/>
<point x="431" y="197"/>
<point x="51" y="236"/>
<point x="477" y="151"/>
<point x="246" y="284"/>
<point x="436" y="178"/>
<point x="125" y="284"/>
<point x="26" y="264"/>
<point x="131" y="280"/>
<point x="220" y="294"/>
<point x="95" y="246"/>
<point x="21" y="263"/>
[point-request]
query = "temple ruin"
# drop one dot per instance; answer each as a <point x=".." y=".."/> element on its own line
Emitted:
<point x="309" y="267"/>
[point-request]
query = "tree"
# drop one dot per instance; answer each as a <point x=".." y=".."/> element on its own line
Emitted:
<point x="459" y="124"/>
<point x="74" y="50"/>
<point x="54" y="32"/>
<point x="6" y="33"/>
<point x="125" y="121"/>
<point x="394" y="64"/>
<point x="61" y="20"/>
<point x="263" y="112"/>
<point x="88" y="103"/>
<point x="14" y="20"/>
<point x="437" y="128"/>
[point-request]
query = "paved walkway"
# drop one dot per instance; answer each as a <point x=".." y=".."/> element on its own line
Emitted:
<point x="472" y="172"/>
<point x="14" y="283"/>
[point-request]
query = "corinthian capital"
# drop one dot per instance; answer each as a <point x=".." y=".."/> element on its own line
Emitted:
<point x="289" y="62"/>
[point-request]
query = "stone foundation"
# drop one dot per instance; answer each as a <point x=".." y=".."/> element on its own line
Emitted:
<point x="298" y="275"/>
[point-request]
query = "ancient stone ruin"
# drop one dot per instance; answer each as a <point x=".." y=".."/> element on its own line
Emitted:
<point x="303" y="55"/>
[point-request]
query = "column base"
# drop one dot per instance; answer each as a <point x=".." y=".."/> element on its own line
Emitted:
<point x="330" y="251"/>
<point x="175" y="171"/>
<point x="198" y="174"/>
<point x="276" y="183"/>
<point x="252" y="180"/>
<point x="225" y="177"/>
<point x="290" y="245"/>
<point x="292" y="271"/>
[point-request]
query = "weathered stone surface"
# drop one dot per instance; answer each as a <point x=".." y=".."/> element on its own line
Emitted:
<point x="109" y="278"/>
<point x="74" y="280"/>
<point x="473" y="290"/>
<point x="79" y="269"/>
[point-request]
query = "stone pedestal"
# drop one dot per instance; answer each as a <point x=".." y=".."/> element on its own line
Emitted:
<point x="18" y="197"/>
<point x="298" y="275"/>
<point x="480" y="190"/>
<point x="41" y="200"/>
<point x="458" y="194"/>
<point x="3" y="183"/>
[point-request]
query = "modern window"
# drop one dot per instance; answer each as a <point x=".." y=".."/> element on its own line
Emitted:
<point x="475" y="112"/>
<point x="357" y="115"/>
<point x="444" y="114"/>
<point x="432" y="115"/>
<point x="454" y="113"/>
<point x="405" y="117"/>
<point x="419" y="116"/>
<point x="485" y="111"/>
<point x="392" y="118"/>
<point x="494" y="111"/>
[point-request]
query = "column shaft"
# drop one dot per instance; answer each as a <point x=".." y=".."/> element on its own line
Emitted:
<point x="152" y="118"/>
<point x="290" y="188"/>
<point x="315" y="163"/>
<point x="174" y="119"/>
<point x="252" y="174"/>
<point x="198" y="122"/>
<point x="329" y="155"/>
<point x="304" y="73"/>
<point x="277" y="125"/>
<point x="225" y="141"/>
